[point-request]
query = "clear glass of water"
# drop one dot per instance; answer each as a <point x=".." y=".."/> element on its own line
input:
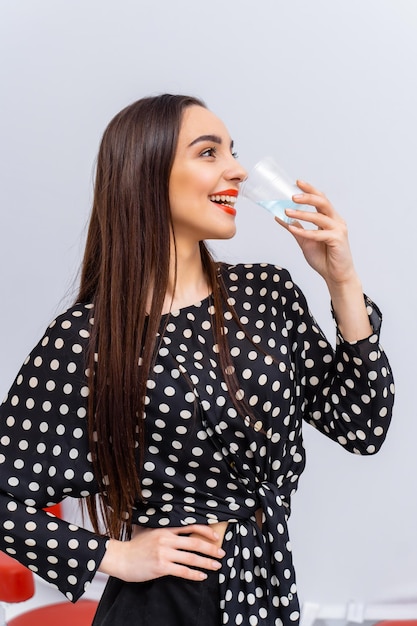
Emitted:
<point x="271" y="188"/>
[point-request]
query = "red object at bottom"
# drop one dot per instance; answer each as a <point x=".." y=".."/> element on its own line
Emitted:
<point x="16" y="581"/>
<point x="62" y="614"/>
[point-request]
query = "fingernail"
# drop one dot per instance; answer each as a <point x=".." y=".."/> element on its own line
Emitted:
<point x="203" y="576"/>
<point x="298" y="196"/>
<point x="216" y="565"/>
<point x="221" y="552"/>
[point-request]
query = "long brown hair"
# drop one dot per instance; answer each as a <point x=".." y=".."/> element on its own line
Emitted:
<point x="127" y="250"/>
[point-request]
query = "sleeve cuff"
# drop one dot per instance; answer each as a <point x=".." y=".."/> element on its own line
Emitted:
<point x="375" y="319"/>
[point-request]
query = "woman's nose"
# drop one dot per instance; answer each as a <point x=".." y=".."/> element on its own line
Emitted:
<point x="236" y="172"/>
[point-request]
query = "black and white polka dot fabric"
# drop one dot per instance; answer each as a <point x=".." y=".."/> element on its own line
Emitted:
<point x="204" y="463"/>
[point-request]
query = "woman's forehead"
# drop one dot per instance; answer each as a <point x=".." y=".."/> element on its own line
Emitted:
<point x="198" y="121"/>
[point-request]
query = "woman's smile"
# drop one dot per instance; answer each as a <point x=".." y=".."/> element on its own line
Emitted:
<point x="226" y="200"/>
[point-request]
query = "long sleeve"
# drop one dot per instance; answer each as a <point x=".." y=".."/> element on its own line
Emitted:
<point x="349" y="392"/>
<point x="44" y="457"/>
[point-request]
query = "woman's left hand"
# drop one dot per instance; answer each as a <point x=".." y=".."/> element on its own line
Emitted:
<point x="326" y="248"/>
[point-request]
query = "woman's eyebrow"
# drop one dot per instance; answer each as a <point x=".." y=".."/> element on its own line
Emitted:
<point x="213" y="138"/>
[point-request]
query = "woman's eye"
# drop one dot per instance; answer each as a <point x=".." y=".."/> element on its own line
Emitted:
<point x="210" y="152"/>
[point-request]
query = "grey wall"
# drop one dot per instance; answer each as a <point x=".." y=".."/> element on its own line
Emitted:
<point x="326" y="86"/>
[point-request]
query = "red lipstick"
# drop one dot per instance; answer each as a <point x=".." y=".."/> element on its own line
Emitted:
<point x="223" y="199"/>
<point x="226" y="192"/>
<point x="227" y="209"/>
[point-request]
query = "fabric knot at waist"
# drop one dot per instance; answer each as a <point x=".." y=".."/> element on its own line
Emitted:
<point x="257" y="568"/>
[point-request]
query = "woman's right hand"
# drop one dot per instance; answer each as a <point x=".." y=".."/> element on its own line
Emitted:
<point x="156" y="552"/>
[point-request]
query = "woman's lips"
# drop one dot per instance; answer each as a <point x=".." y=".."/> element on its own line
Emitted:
<point x="227" y="192"/>
<point x="225" y="199"/>
<point x="227" y="209"/>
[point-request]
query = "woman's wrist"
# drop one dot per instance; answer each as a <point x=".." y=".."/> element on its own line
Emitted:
<point x="351" y="286"/>
<point x="112" y="561"/>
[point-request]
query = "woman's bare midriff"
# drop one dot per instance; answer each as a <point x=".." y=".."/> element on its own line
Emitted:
<point x="221" y="527"/>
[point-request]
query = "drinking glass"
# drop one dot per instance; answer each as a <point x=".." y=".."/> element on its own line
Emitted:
<point x="271" y="188"/>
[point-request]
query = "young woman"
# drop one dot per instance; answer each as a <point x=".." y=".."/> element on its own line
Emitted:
<point x="171" y="396"/>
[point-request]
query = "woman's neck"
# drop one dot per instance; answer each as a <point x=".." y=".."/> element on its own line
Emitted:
<point x="187" y="280"/>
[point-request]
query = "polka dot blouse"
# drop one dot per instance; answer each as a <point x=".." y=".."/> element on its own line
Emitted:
<point x="203" y="463"/>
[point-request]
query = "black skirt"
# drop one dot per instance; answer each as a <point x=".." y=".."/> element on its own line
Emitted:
<point x="166" y="601"/>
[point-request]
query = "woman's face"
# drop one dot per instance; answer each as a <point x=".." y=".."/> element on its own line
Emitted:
<point x="205" y="179"/>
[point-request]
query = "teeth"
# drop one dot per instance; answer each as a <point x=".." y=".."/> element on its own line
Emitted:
<point x="223" y="199"/>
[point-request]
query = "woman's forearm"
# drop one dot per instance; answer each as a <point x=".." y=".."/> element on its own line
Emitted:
<point x="350" y="309"/>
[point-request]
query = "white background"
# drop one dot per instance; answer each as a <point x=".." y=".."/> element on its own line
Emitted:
<point x="328" y="87"/>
